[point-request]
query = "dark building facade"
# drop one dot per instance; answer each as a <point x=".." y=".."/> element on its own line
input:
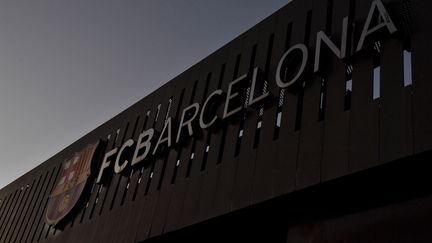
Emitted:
<point x="340" y="154"/>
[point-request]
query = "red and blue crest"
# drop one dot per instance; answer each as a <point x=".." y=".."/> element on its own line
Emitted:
<point x="70" y="185"/>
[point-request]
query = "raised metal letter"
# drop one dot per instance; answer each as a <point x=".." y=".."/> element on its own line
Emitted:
<point x="105" y="164"/>
<point x="167" y="139"/>
<point x="117" y="167"/>
<point x="204" y="125"/>
<point x="187" y="123"/>
<point x="252" y="99"/>
<point x="230" y="96"/>
<point x="142" y="144"/>
<point x="340" y="53"/>
<point x="304" y="51"/>
<point x="384" y="21"/>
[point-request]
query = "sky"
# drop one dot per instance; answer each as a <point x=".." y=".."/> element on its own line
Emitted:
<point x="67" y="67"/>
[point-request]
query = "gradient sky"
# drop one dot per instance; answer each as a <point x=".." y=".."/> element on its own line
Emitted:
<point x="68" y="66"/>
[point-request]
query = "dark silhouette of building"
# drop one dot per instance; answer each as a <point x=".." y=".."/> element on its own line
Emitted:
<point x="342" y="155"/>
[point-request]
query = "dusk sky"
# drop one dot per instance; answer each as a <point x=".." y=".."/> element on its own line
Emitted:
<point x="66" y="67"/>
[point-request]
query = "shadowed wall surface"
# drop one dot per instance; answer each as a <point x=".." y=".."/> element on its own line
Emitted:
<point x="334" y="160"/>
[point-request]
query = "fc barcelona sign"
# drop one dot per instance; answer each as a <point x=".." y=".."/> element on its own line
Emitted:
<point x="291" y="67"/>
<point x="70" y="185"/>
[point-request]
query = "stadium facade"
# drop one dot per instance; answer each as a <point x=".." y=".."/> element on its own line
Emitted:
<point x="312" y="126"/>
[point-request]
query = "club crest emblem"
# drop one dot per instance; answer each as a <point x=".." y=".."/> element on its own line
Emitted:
<point x="70" y="184"/>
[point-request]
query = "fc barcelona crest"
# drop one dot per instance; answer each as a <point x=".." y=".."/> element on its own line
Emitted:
<point x="70" y="185"/>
